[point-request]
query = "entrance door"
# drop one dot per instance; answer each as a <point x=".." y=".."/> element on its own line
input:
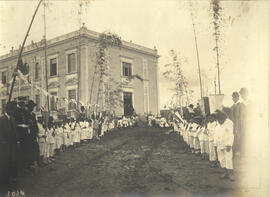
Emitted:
<point x="128" y="106"/>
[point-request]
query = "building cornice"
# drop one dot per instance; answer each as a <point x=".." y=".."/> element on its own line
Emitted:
<point x="82" y="33"/>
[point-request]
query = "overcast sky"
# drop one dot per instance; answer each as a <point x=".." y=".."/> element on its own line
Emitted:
<point x="165" y="24"/>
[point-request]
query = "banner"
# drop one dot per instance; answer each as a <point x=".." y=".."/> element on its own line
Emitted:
<point x="215" y="102"/>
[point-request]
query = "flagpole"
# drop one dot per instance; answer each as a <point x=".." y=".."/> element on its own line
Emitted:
<point x="45" y="58"/>
<point x="21" y="50"/>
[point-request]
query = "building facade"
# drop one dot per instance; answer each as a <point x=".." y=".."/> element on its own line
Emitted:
<point x="71" y="61"/>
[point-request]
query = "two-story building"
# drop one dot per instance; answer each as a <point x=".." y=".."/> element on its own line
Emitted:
<point x="71" y="61"/>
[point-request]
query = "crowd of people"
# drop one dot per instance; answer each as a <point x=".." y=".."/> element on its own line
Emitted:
<point x="218" y="137"/>
<point x="157" y="121"/>
<point x="28" y="143"/>
<point x="67" y="135"/>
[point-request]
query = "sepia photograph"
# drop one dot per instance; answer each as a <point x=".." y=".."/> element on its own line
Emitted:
<point x="134" y="98"/>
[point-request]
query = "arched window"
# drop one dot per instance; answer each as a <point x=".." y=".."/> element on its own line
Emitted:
<point x="37" y="71"/>
<point x="26" y="69"/>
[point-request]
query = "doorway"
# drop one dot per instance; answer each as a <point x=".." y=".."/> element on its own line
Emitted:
<point x="128" y="106"/>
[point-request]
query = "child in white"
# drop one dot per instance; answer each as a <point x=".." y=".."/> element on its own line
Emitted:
<point x="50" y="143"/>
<point x="41" y="140"/>
<point x="224" y="145"/>
<point x="211" y="126"/>
<point x="203" y="138"/>
<point x="196" y="142"/>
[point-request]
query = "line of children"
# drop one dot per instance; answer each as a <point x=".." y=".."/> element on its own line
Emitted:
<point x="62" y="136"/>
<point x="211" y="138"/>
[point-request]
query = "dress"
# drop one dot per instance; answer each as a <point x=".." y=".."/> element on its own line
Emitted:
<point x="41" y="139"/>
<point x="211" y="132"/>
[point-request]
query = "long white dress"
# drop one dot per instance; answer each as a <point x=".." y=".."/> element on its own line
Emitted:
<point x="41" y="139"/>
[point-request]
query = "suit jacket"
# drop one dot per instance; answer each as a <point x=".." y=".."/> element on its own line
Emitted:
<point x="245" y="116"/>
<point x="32" y="122"/>
<point x="236" y="118"/>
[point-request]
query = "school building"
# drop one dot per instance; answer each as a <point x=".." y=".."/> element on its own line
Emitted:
<point x="71" y="61"/>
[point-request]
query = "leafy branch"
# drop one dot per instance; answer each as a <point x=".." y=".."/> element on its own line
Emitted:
<point x="174" y="73"/>
<point x="109" y="90"/>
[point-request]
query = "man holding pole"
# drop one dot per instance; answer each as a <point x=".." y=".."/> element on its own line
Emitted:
<point x="32" y="145"/>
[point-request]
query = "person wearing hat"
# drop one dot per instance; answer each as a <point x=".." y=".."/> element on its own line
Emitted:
<point x="32" y="144"/>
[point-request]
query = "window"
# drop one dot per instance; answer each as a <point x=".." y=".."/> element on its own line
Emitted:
<point x="53" y="67"/>
<point x="37" y="71"/>
<point x="26" y="69"/>
<point x="4" y="77"/>
<point x="53" y="100"/>
<point x="71" y="95"/>
<point x="126" y="69"/>
<point x="71" y="63"/>
<point x="3" y="105"/>
<point x="37" y="102"/>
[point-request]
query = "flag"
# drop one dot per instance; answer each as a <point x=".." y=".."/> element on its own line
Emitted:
<point x="178" y="116"/>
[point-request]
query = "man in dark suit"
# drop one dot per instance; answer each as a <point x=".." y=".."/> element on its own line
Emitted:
<point x="245" y="119"/>
<point x="236" y="118"/>
<point x="9" y="144"/>
<point x="20" y="117"/>
<point x="32" y="144"/>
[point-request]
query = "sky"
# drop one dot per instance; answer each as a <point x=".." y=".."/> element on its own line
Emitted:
<point x="166" y="24"/>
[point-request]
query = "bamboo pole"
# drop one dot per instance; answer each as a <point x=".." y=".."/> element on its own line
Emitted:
<point x="197" y="52"/>
<point x="219" y="90"/>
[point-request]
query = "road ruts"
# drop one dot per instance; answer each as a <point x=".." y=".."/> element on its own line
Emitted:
<point x="136" y="162"/>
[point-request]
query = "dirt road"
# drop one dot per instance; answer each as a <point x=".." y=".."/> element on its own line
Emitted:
<point x="135" y="162"/>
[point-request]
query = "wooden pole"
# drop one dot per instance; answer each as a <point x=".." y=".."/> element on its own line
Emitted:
<point x="21" y="50"/>
<point x="219" y="90"/>
<point x="45" y="58"/>
<point x="215" y="84"/>
<point x="197" y="52"/>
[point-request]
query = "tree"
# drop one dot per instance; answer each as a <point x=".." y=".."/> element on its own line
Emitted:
<point x="109" y="95"/>
<point x="216" y="8"/>
<point x="175" y="74"/>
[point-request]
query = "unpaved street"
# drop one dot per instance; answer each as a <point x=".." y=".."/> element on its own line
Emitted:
<point x="134" y="162"/>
